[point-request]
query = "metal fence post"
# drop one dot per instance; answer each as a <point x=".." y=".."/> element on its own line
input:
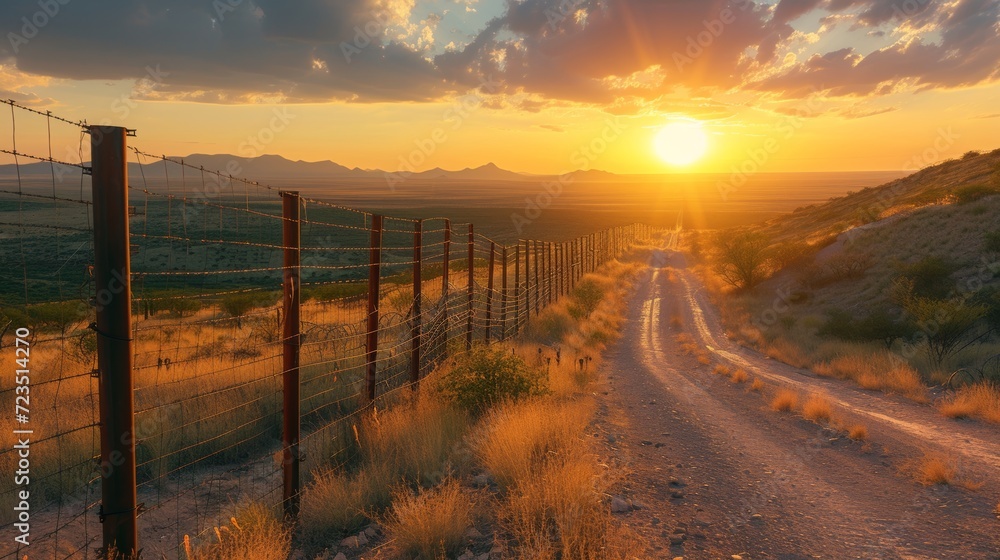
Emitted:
<point x="291" y="240"/>
<point x="446" y="265"/>
<point x="489" y="293"/>
<point x="503" y="294"/>
<point x="374" y="286"/>
<point x="538" y="289"/>
<point x="415" y="324"/>
<point x="472" y="288"/>
<point x="113" y="301"/>
<point x="558" y="270"/>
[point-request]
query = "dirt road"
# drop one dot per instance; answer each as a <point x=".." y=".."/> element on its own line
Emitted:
<point x="717" y="472"/>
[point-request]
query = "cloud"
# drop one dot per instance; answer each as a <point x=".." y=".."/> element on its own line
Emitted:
<point x="617" y="54"/>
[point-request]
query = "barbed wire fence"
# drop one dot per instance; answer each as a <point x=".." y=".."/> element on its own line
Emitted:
<point x="199" y="339"/>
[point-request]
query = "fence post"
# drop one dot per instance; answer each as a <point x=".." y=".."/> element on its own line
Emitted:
<point x="113" y="302"/>
<point x="559" y="269"/>
<point x="446" y="265"/>
<point x="418" y="244"/>
<point x="538" y="289"/>
<point x="374" y="286"/>
<point x="549" y="272"/>
<point x="291" y="240"/>
<point x="472" y="288"/>
<point x="489" y="294"/>
<point x="503" y="294"/>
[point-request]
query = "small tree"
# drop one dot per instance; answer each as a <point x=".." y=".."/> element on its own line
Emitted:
<point x="929" y="277"/>
<point x="238" y="305"/>
<point x="58" y="316"/>
<point x="945" y="324"/>
<point x="742" y="258"/>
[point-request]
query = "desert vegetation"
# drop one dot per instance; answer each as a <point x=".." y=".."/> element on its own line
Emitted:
<point x="489" y="454"/>
<point x="893" y="288"/>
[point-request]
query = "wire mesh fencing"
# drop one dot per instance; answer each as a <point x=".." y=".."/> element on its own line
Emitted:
<point x="261" y="325"/>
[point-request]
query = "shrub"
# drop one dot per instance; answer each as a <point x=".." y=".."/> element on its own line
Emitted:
<point x="742" y="258"/>
<point x="973" y="401"/>
<point x="972" y="193"/>
<point x="931" y="276"/>
<point x="586" y="297"/>
<point x="489" y="375"/>
<point x="991" y="241"/>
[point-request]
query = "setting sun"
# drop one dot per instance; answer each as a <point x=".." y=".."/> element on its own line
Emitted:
<point x="681" y="143"/>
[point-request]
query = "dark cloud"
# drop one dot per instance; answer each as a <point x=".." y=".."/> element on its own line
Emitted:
<point x="237" y="51"/>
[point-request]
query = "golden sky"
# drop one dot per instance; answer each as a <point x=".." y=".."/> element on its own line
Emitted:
<point x="538" y="86"/>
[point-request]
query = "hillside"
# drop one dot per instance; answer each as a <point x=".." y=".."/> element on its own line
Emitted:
<point x="836" y="267"/>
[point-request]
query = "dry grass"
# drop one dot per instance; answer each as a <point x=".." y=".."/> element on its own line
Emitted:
<point x="857" y="432"/>
<point x="817" y="408"/>
<point x="413" y="441"/>
<point x="703" y="358"/>
<point x="757" y="386"/>
<point x="935" y="469"/>
<point x="721" y="369"/>
<point x="512" y="440"/>
<point x="785" y="400"/>
<point x="878" y="372"/>
<point x="787" y="352"/>
<point x="973" y="401"/>
<point x="739" y="376"/>
<point x="254" y="534"/>
<point x="431" y="524"/>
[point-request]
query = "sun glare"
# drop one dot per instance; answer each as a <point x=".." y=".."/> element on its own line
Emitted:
<point x="681" y="142"/>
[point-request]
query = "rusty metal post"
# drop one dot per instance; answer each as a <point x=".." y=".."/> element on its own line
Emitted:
<point x="415" y="320"/>
<point x="446" y="265"/>
<point x="113" y="301"/>
<point x="538" y="289"/>
<point x="550" y="272"/>
<point x="374" y="286"/>
<point x="291" y="240"/>
<point x="503" y="294"/>
<point x="472" y="289"/>
<point x="489" y="293"/>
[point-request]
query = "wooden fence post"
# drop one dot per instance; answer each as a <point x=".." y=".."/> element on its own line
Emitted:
<point x="113" y="302"/>
<point x="446" y="266"/>
<point x="291" y="240"/>
<point x="538" y="289"/>
<point x="374" y="285"/>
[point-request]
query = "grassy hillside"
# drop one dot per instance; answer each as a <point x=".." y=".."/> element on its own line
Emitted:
<point x="896" y="287"/>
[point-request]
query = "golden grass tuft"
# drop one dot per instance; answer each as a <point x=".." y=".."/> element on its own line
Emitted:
<point x="857" y="432"/>
<point x="935" y="469"/>
<point x="757" y="385"/>
<point x="254" y="534"/>
<point x="973" y="401"/>
<point x="739" y="376"/>
<point x="785" y="400"/>
<point x="721" y="369"/>
<point x="877" y="372"/>
<point x="703" y="358"/>
<point x="512" y="440"/>
<point x="817" y="408"/>
<point x="431" y="524"/>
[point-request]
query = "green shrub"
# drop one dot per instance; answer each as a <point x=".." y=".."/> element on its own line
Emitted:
<point x="931" y="277"/>
<point x="488" y="375"/>
<point x="992" y="242"/>
<point x="972" y="193"/>
<point x="587" y="295"/>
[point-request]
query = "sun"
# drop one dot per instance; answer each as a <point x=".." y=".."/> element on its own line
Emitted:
<point x="681" y="142"/>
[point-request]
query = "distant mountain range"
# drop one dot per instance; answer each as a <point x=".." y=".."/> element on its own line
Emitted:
<point x="271" y="167"/>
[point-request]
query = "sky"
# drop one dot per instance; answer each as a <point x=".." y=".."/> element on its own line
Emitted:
<point x="537" y="86"/>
